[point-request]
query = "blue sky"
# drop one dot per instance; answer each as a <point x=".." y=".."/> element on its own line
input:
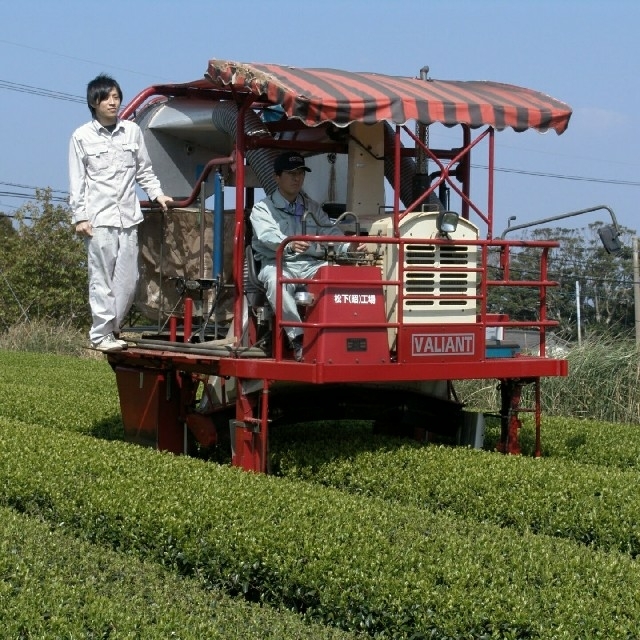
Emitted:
<point x="583" y="52"/>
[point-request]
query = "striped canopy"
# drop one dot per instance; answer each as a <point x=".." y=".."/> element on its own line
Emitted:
<point x="316" y="96"/>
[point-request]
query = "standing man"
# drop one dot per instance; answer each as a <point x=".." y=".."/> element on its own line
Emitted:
<point x="107" y="158"/>
<point x="280" y="215"/>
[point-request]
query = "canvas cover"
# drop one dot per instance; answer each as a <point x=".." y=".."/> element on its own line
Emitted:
<point x="170" y="247"/>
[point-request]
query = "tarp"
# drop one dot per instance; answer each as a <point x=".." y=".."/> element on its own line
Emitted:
<point x="316" y="96"/>
<point x="170" y="248"/>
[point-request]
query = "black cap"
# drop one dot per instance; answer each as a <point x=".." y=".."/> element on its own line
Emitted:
<point x="289" y="161"/>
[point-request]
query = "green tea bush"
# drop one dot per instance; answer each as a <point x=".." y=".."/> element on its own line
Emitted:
<point x="53" y="585"/>
<point x="60" y="392"/>
<point x="608" y="444"/>
<point x="390" y="538"/>
<point x="356" y="562"/>
<point x="590" y="441"/>
<point x="594" y="505"/>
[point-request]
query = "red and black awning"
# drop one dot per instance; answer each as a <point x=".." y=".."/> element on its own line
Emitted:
<point x="316" y="96"/>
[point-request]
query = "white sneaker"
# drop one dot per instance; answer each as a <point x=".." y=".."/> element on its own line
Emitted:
<point x="108" y="343"/>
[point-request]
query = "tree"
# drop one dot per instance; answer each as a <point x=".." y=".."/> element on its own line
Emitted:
<point x="608" y="298"/>
<point x="43" y="269"/>
<point x="8" y="236"/>
<point x="605" y="282"/>
<point x="6" y="229"/>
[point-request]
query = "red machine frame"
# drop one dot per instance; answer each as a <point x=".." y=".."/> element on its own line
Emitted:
<point x="346" y="342"/>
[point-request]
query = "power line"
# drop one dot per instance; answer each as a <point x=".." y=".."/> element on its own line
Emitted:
<point x="560" y="176"/>
<point x="39" y="91"/>
<point x="27" y="196"/>
<point x="62" y="55"/>
<point x="497" y="169"/>
<point x="55" y="195"/>
<point x="4" y="84"/>
<point x="59" y="95"/>
<point x="28" y="186"/>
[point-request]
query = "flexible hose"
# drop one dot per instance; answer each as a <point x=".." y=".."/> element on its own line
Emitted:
<point x="221" y="351"/>
<point x="224" y="117"/>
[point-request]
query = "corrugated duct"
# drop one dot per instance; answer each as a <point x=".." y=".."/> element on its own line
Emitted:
<point x="224" y="117"/>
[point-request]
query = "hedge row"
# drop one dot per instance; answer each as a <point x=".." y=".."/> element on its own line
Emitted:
<point x="592" y="442"/>
<point x="80" y="395"/>
<point x="55" y="586"/>
<point x="60" y="392"/>
<point x="355" y="562"/>
<point x="594" y="505"/>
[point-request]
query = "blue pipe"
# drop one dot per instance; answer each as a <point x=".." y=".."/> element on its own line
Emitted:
<point x="218" y="226"/>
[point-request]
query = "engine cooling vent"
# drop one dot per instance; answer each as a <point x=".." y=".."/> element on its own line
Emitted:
<point x="439" y="281"/>
<point x="433" y="289"/>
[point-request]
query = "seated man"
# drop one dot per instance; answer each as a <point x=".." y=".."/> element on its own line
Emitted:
<point x="280" y="215"/>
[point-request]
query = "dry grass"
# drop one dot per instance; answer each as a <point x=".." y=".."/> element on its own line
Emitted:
<point x="603" y="384"/>
<point x="41" y="336"/>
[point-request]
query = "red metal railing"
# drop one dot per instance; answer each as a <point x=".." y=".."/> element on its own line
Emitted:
<point x="484" y="317"/>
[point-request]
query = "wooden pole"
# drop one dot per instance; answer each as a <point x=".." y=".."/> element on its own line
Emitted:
<point x="636" y="288"/>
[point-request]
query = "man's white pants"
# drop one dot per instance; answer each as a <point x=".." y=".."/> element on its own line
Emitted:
<point x="112" y="257"/>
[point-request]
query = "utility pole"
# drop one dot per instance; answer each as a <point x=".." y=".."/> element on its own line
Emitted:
<point x="578" y="313"/>
<point x="636" y="288"/>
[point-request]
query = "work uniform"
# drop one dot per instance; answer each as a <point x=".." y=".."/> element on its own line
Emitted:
<point x="104" y="167"/>
<point x="273" y="219"/>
